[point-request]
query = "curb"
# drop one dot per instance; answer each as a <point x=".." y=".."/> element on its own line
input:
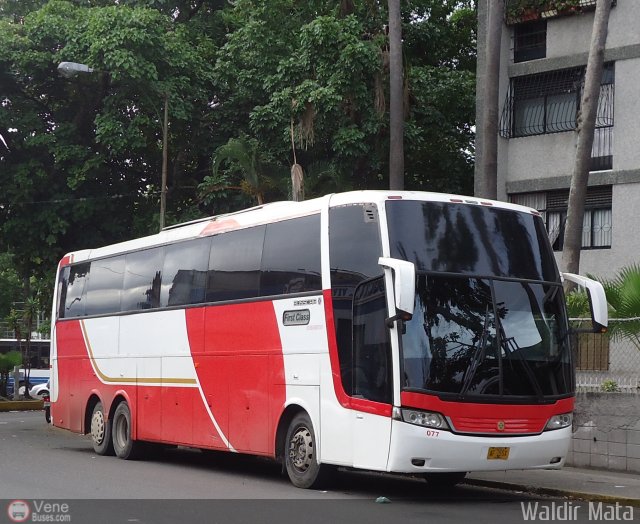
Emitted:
<point x="554" y="492"/>
<point x="21" y="405"/>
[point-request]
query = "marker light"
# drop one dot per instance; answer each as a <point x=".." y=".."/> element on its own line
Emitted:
<point x="559" y="421"/>
<point x="427" y="419"/>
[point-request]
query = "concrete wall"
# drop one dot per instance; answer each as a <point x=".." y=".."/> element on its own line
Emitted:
<point x="606" y="432"/>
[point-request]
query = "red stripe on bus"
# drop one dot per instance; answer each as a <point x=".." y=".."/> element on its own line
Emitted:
<point x="469" y="417"/>
<point x="169" y="414"/>
<point x="237" y="354"/>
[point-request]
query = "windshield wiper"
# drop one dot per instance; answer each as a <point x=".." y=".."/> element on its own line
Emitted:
<point x="478" y="354"/>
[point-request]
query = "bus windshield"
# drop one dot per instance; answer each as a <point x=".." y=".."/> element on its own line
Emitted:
<point x="489" y="319"/>
<point x="480" y="336"/>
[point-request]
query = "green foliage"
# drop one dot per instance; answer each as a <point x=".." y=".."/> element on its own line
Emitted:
<point x="10" y="285"/>
<point x="81" y="165"/>
<point x="609" y="386"/>
<point x="623" y="296"/>
<point x="8" y="361"/>
<point x="254" y="167"/>
<point x="578" y="304"/>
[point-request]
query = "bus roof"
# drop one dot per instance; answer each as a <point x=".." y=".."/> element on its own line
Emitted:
<point x="276" y="211"/>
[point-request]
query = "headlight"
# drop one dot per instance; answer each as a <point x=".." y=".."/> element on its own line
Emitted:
<point x="428" y="419"/>
<point x="559" y="421"/>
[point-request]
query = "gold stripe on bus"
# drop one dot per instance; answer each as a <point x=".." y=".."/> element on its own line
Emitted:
<point x="128" y="380"/>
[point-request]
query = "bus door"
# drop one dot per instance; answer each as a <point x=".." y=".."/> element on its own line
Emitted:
<point x="372" y="392"/>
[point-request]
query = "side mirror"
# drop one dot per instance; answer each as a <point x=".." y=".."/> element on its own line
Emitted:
<point x="404" y="287"/>
<point x="597" y="300"/>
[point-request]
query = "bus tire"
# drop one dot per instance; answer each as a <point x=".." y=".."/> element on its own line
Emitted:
<point x="445" y="480"/>
<point x="300" y="456"/>
<point x="123" y="445"/>
<point x="101" y="431"/>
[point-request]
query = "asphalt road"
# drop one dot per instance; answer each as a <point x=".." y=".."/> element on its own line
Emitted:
<point x="43" y="465"/>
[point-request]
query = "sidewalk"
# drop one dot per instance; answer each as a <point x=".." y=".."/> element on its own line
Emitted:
<point x="587" y="484"/>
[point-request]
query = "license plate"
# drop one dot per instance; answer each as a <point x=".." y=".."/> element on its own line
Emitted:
<point x="498" y="454"/>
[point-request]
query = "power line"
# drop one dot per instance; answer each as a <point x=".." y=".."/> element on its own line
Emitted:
<point x="80" y="199"/>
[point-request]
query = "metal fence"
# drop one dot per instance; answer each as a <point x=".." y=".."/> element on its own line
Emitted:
<point x="604" y="363"/>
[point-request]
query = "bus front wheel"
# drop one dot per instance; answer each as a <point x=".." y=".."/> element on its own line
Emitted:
<point x="101" y="431"/>
<point x="124" y="446"/>
<point x="300" y="455"/>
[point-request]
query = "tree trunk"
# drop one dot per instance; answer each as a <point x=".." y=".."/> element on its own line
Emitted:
<point x="490" y="22"/>
<point x="585" y="129"/>
<point x="396" y="105"/>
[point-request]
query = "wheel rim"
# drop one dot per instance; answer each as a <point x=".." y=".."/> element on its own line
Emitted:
<point x="301" y="450"/>
<point x="97" y="427"/>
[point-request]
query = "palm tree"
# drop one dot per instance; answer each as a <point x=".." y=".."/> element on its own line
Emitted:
<point x="245" y="156"/>
<point x="623" y="296"/>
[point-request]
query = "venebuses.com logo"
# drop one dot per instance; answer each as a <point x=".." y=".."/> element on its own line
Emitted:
<point x="18" y="511"/>
<point x="38" y="511"/>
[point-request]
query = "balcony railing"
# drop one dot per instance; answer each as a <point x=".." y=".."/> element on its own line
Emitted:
<point x="520" y="11"/>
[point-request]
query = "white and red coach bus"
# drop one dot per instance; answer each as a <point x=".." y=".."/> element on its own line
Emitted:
<point x="391" y="331"/>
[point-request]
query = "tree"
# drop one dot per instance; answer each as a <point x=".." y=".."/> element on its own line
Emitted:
<point x="81" y="161"/>
<point x="8" y="361"/>
<point x="246" y="158"/>
<point x="585" y="131"/>
<point x="10" y="285"/>
<point x="490" y="22"/>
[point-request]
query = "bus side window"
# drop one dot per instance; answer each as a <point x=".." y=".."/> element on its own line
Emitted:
<point x="63" y="283"/>
<point x="354" y="249"/>
<point x="234" y="265"/>
<point x="291" y="257"/>
<point x="143" y="273"/>
<point x="105" y="286"/>
<point x="371" y="343"/>
<point x="76" y="290"/>
<point x="184" y="273"/>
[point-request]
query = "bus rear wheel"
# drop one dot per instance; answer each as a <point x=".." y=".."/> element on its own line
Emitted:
<point x="101" y="431"/>
<point x="123" y="445"/>
<point x="300" y="455"/>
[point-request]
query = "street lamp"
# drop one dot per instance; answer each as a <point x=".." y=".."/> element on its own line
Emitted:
<point x="71" y="69"/>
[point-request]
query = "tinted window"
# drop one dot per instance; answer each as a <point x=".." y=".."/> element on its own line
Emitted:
<point x="372" y="369"/>
<point x="63" y="283"/>
<point x="234" y="265"/>
<point x="105" y="286"/>
<point x="470" y="239"/>
<point x="74" y="301"/>
<point x="291" y="257"/>
<point x="184" y="275"/>
<point x="354" y="249"/>
<point x="143" y="271"/>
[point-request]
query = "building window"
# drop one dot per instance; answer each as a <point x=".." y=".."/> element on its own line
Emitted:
<point x="549" y="103"/>
<point x="597" y="224"/>
<point x="530" y="41"/>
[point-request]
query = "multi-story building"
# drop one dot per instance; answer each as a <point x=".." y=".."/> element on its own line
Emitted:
<point x="544" y="53"/>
